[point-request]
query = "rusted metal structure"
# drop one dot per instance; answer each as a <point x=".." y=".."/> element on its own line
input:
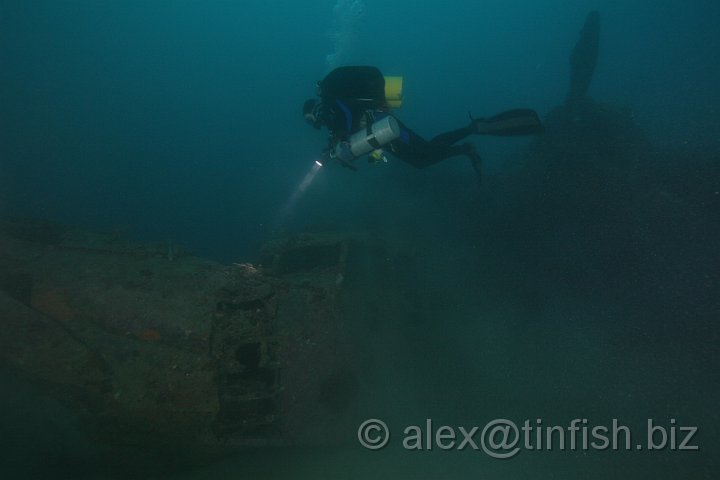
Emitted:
<point x="153" y="347"/>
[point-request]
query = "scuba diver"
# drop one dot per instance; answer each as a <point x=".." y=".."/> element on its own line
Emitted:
<point x="354" y="106"/>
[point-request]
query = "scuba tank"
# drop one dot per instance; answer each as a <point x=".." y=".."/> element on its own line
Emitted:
<point x="365" y="141"/>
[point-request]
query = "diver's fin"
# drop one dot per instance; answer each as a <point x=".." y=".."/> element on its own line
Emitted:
<point x="476" y="162"/>
<point x="521" y="121"/>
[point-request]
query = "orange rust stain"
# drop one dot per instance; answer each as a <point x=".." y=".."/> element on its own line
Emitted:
<point x="53" y="304"/>
<point x="148" y="335"/>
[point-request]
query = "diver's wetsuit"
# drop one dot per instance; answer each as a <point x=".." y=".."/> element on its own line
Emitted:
<point x="353" y="97"/>
<point x="418" y="152"/>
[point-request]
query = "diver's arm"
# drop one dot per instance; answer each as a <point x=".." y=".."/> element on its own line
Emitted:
<point x="338" y="150"/>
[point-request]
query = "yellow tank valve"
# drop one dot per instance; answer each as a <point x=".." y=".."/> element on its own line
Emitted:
<point x="377" y="156"/>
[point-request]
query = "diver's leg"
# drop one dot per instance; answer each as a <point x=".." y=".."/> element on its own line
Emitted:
<point x="418" y="152"/>
<point x="517" y="122"/>
<point x="511" y="123"/>
<point x="414" y="149"/>
<point x="445" y="140"/>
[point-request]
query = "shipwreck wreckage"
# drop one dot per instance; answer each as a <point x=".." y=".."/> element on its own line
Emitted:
<point x="151" y="347"/>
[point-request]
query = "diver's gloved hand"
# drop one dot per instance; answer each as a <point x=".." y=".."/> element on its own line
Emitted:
<point x="340" y="153"/>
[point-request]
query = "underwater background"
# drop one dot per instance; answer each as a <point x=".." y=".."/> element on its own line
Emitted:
<point x="552" y="291"/>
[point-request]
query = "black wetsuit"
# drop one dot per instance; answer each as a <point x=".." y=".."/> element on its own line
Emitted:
<point x="417" y="151"/>
<point x="352" y="97"/>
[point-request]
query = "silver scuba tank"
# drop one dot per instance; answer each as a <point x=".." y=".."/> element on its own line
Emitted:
<point x="366" y="140"/>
